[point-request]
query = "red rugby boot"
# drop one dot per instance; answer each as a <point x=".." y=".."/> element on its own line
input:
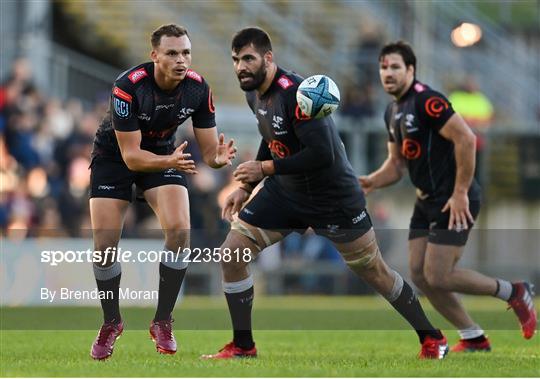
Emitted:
<point x="522" y="304"/>
<point x="433" y="348"/>
<point x="231" y="351"/>
<point x="103" y="346"/>
<point x="161" y="334"/>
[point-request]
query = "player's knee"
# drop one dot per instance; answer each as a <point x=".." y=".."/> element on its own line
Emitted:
<point x="177" y="237"/>
<point x="236" y="252"/>
<point x="364" y="258"/>
<point x="104" y="252"/>
<point x="243" y="236"/>
<point x="418" y="278"/>
<point x="436" y="281"/>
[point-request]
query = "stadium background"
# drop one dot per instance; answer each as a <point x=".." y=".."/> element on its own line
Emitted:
<point x="59" y="59"/>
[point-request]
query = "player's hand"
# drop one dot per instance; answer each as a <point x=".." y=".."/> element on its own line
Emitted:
<point x="234" y="203"/>
<point x="367" y="184"/>
<point x="458" y="204"/>
<point x="248" y="172"/>
<point x="225" y="153"/>
<point x="181" y="161"/>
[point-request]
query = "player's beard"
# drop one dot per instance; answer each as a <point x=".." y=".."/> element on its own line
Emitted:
<point x="257" y="78"/>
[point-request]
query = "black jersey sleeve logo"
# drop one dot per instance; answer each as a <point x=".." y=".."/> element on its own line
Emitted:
<point x="121" y="102"/>
<point x="410" y="149"/>
<point x="435" y="106"/>
<point x="279" y="149"/>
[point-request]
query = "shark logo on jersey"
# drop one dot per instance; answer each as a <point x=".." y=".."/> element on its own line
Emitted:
<point x="185" y="113"/>
<point x="409" y="119"/>
<point x="144" y="117"/>
<point x="277" y="124"/>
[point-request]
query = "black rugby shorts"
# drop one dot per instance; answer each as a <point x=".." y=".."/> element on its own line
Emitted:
<point x="270" y="210"/>
<point x="429" y="220"/>
<point x="113" y="179"/>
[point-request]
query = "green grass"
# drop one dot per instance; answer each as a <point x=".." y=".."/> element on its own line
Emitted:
<point x="291" y="353"/>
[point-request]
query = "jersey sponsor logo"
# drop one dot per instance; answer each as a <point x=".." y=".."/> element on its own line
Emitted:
<point x="248" y="211"/>
<point x="279" y="148"/>
<point x="164" y="106"/>
<point x="105" y="187"/>
<point x="359" y="218"/>
<point x="121" y="107"/>
<point x="284" y="82"/>
<point x="160" y="133"/>
<point x="411" y="149"/>
<point x="193" y="75"/>
<point x="300" y="115"/>
<point x="122" y="94"/>
<point x="435" y="105"/>
<point x="332" y="228"/>
<point x="137" y="75"/>
<point x="171" y="173"/>
<point x="211" y="106"/>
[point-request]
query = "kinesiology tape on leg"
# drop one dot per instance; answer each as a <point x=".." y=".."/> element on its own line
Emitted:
<point x="396" y="288"/>
<point x="257" y="236"/>
<point x="364" y="258"/>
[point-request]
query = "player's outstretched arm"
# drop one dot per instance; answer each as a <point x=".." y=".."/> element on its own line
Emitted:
<point x="216" y="153"/>
<point x="140" y="160"/>
<point x="389" y="173"/>
<point x="464" y="140"/>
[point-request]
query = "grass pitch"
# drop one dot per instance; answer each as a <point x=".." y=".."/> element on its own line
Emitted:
<point x="356" y="345"/>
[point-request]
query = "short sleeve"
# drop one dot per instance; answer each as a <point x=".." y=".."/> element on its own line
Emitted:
<point x="205" y="115"/>
<point x="387" y="116"/>
<point x="123" y="109"/>
<point x="433" y="109"/>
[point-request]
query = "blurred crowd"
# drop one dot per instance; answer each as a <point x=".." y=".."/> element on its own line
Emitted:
<point x="45" y="147"/>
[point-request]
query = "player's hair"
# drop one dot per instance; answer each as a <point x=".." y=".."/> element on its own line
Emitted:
<point x="169" y="30"/>
<point x="402" y="48"/>
<point x="252" y="36"/>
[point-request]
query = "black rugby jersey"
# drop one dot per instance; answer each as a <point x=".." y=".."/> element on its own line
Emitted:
<point x="286" y="132"/>
<point x="413" y="122"/>
<point x="137" y="103"/>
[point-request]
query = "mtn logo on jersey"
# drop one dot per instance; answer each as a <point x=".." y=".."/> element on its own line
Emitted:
<point x="284" y="82"/>
<point x="193" y="75"/>
<point x="137" y="75"/>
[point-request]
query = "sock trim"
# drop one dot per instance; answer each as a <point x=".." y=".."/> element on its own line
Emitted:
<point x="107" y="273"/>
<point x="176" y="261"/>
<point x="240" y="286"/>
<point x="505" y="290"/>
<point x="471" y="332"/>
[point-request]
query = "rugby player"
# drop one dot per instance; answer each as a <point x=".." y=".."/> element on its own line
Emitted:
<point x="437" y="147"/>
<point x="309" y="183"/>
<point x="135" y="145"/>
